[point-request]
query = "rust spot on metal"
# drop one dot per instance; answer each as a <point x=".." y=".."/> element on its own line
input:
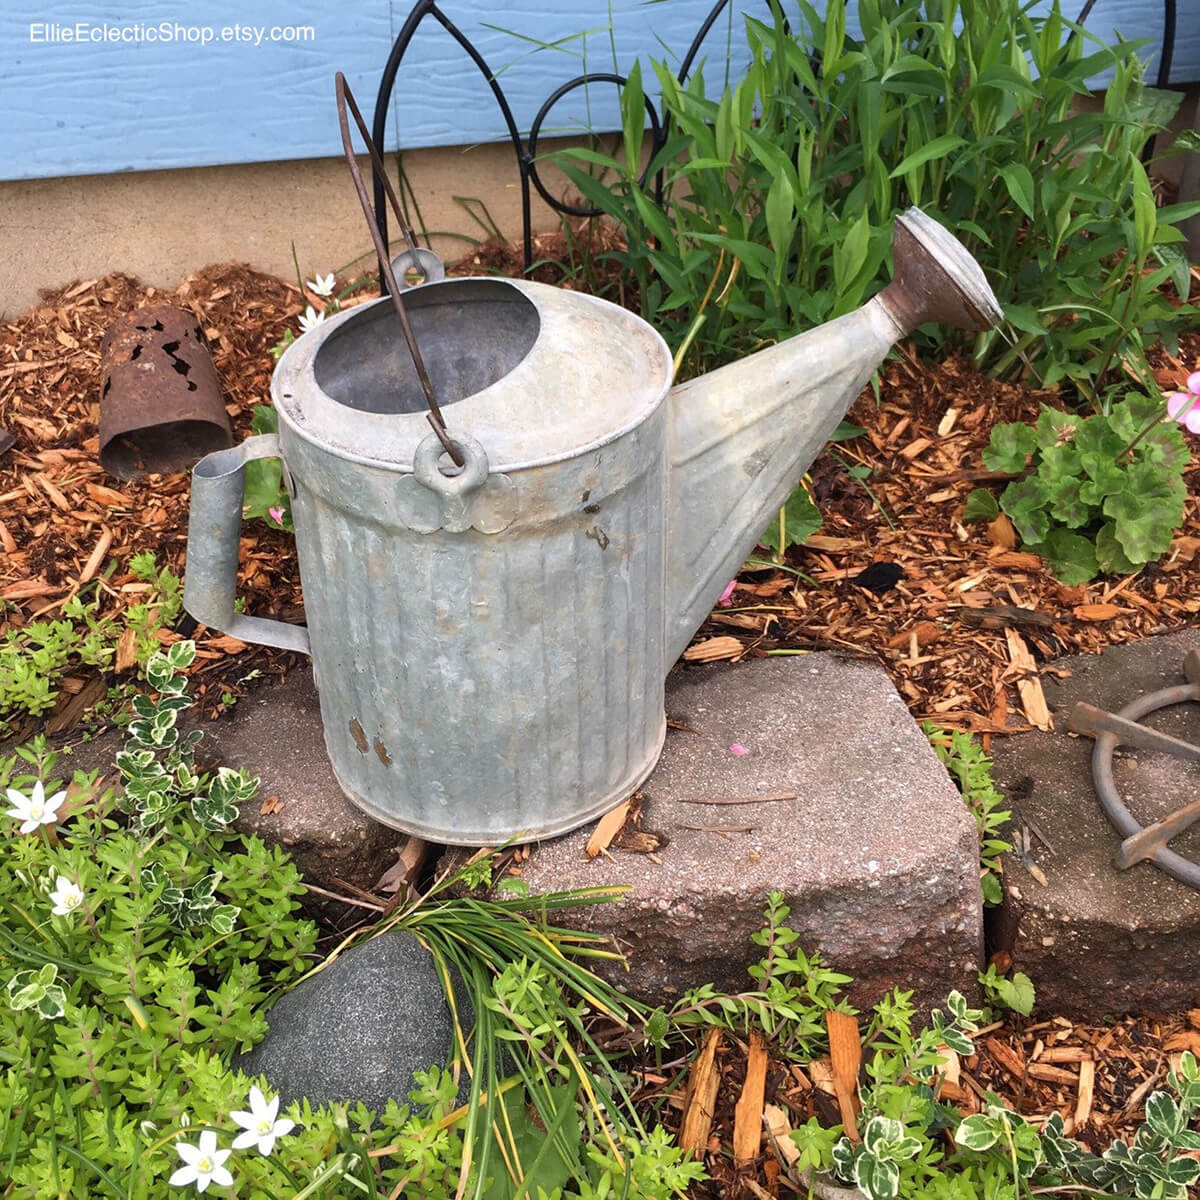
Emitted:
<point x="384" y="756"/>
<point x="360" y="738"/>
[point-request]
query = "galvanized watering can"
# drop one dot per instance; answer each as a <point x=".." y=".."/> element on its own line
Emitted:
<point x="490" y="642"/>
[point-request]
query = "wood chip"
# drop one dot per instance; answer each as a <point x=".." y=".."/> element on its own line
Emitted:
<point x="1086" y="1096"/>
<point x="950" y="1067"/>
<point x="103" y="543"/>
<point x="918" y="446"/>
<point x="703" y="1081"/>
<point x="748" y="1112"/>
<point x="925" y="632"/>
<point x="1001" y="533"/>
<point x="126" y="658"/>
<point x="713" y="649"/>
<point x="778" y="1128"/>
<point x="27" y="590"/>
<point x="1185" y="1039"/>
<point x="947" y="422"/>
<point x="1029" y="685"/>
<point x="1051" y="1074"/>
<point x="56" y="497"/>
<point x="832" y="545"/>
<point x="606" y="829"/>
<point x="1006" y="1057"/>
<point x="821" y="1072"/>
<point x="845" y="1054"/>
<point x="1065" y="1054"/>
<point x="1097" y="612"/>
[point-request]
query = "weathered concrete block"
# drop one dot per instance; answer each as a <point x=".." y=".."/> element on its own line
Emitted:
<point x="275" y="733"/>
<point x="877" y="855"/>
<point x="1095" y="939"/>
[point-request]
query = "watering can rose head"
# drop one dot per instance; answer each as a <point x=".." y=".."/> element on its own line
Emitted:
<point x="493" y="606"/>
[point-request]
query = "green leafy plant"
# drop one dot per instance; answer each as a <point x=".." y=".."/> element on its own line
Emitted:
<point x="971" y="770"/>
<point x="794" y="992"/>
<point x="874" y="1163"/>
<point x="1103" y="492"/>
<point x="34" y="658"/>
<point x="1014" y="992"/>
<point x="777" y="195"/>
<point x="265" y="494"/>
<point x="119" y="1003"/>
<point x="1153" y="1166"/>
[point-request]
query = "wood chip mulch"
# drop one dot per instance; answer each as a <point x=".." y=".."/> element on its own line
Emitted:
<point x="971" y="616"/>
<point x="67" y="526"/>
<point x="961" y="633"/>
<point x="732" y="1102"/>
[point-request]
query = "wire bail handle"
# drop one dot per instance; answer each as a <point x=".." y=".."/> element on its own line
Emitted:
<point x="345" y="99"/>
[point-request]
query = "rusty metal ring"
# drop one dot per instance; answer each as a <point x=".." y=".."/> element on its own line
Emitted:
<point x="1086" y="719"/>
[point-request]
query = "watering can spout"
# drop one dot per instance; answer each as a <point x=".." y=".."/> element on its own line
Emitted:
<point x="742" y="435"/>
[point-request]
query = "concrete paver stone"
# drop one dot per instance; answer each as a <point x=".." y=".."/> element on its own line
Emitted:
<point x="1095" y="939"/>
<point x="877" y="855"/>
<point x="275" y="733"/>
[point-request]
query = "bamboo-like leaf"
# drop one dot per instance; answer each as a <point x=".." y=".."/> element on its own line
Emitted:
<point x="1144" y="217"/>
<point x="633" y="120"/>
<point x="938" y="148"/>
<point x="1019" y="181"/>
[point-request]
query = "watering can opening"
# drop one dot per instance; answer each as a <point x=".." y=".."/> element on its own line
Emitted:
<point x="472" y="333"/>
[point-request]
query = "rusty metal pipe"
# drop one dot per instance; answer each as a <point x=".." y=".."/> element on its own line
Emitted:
<point x="160" y="400"/>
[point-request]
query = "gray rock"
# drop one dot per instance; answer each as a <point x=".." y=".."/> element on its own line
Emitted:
<point x="358" y="1029"/>
<point x="877" y="855"/>
<point x="1095" y="939"/>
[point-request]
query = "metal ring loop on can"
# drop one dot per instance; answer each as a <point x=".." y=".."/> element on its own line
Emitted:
<point x="424" y="262"/>
<point x="427" y="469"/>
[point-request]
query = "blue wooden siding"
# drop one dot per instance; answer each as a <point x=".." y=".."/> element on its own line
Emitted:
<point x="74" y="108"/>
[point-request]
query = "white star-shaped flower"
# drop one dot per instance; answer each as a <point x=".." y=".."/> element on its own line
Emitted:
<point x="35" y="809"/>
<point x="67" y="897"/>
<point x="311" y="319"/>
<point x="260" y="1123"/>
<point x="322" y="285"/>
<point x="202" y="1164"/>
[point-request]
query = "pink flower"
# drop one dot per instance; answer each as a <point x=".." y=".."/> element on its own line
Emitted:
<point x="738" y="749"/>
<point x="724" y="598"/>
<point x="1184" y="407"/>
<point x="276" y="515"/>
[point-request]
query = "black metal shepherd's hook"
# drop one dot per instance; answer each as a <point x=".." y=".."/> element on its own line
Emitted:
<point x="525" y="153"/>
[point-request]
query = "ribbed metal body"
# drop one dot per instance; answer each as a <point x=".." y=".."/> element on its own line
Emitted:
<point x="477" y="687"/>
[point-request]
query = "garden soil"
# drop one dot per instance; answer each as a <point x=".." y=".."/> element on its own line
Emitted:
<point x="962" y="630"/>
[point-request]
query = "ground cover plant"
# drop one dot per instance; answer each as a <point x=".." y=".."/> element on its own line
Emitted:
<point x="140" y="941"/>
<point x="1105" y="492"/>
<point x="35" y="657"/>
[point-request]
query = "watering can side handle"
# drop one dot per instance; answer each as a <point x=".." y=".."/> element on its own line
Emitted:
<point x="214" y="530"/>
